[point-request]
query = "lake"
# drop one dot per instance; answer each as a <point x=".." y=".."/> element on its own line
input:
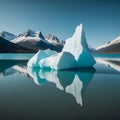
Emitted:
<point x="39" y="94"/>
<point x="15" y="56"/>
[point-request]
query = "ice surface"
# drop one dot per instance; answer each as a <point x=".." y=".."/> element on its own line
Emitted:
<point x="75" y="54"/>
<point x="35" y="60"/>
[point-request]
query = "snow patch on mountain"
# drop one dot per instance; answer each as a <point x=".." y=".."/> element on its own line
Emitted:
<point x="31" y="40"/>
<point x="113" y="42"/>
<point x="29" y="35"/>
<point x="52" y="39"/>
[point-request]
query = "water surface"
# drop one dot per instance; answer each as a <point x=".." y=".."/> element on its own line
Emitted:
<point x="15" y="56"/>
<point x="34" y="94"/>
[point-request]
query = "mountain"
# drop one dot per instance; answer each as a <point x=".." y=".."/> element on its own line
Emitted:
<point x="7" y="35"/>
<point x="36" y="41"/>
<point x="31" y="40"/>
<point x="53" y="39"/>
<point x="91" y="48"/>
<point x="110" y="47"/>
<point x="9" y="47"/>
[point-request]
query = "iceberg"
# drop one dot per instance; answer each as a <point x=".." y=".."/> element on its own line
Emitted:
<point x="34" y="61"/>
<point x="75" y="54"/>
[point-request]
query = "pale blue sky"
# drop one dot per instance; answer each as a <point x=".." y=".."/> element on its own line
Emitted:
<point x="101" y="18"/>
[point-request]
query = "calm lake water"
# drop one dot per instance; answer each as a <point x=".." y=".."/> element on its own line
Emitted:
<point x="82" y="94"/>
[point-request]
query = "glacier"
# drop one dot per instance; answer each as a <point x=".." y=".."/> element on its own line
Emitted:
<point x="75" y="54"/>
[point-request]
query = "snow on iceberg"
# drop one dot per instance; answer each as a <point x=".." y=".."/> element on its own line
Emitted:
<point x="75" y="54"/>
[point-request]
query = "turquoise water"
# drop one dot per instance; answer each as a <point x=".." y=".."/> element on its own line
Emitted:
<point x="112" y="56"/>
<point x="35" y="94"/>
<point x="15" y="56"/>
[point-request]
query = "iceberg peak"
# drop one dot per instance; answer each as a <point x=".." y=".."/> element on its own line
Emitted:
<point x="75" y="54"/>
<point x="77" y="42"/>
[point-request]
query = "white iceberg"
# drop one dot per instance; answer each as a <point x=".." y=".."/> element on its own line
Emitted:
<point x="34" y="61"/>
<point x="75" y="54"/>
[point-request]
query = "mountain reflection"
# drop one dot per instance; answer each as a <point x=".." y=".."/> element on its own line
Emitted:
<point x="115" y="64"/>
<point x="72" y="82"/>
<point x="9" y="67"/>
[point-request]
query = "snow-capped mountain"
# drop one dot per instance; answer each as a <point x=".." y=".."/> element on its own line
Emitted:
<point x="29" y="41"/>
<point x="7" y="35"/>
<point x="52" y="39"/>
<point x="110" y="47"/>
<point x="36" y="41"/>
<point x="91" y="48"/>
<point x="8" y="47"/>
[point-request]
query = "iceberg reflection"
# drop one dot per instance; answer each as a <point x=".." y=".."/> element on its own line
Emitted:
<point x="71" y="82"/>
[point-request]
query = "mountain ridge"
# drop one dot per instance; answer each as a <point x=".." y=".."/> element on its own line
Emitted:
<point x="9" y="47"/>
<point x="110" y="47"/>
<point x="31" y="40"/>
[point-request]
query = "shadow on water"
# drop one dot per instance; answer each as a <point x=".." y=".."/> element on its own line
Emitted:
<point x="70" y="81"/>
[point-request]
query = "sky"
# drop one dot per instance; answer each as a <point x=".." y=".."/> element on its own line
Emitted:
<point x="100" y="18"/>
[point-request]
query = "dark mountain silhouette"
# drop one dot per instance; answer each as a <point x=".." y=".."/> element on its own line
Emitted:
<point x="9" y="47"/>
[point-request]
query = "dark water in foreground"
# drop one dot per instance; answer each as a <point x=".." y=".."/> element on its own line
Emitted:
<point x="84" y="94"/>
